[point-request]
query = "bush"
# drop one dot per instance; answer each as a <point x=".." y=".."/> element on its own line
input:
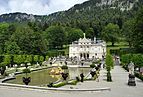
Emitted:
<point x="54" y="53"/>
<point x="26" y="70"/>
<point x="96" y="62"/>
<point x="115" y="51"/>
<point x="64" y="67"/>
<point x="109" y="78"/>
<point x="126" y="58"/>
<point x="92" y="65"/>
<point x="139" y="76"/>
<point x="137" y="59"/>
<point x="124" y="51"/>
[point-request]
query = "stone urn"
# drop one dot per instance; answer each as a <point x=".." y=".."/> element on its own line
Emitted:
<point x="26" y="80"/>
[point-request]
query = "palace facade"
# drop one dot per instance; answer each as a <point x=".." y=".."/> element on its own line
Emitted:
<point x="87" y="49"/>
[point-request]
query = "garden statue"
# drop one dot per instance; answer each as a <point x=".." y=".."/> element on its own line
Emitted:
<point x="65" y="75"/>
<point x="56" y="71"/>
<point x="2" y="70"/>
<point x="26" y="65"/>
<point x="51" y="63"/>
<point x="103" y="57"/>
<point x="66" y="63"/>
<point x="50" y="84"/>
<point x="131" y="81"/>
<point x="61" y="62"/>
<point x="93" y="73"/>
<point x="97" y="68"/>
<point x="26" y="79"/>
<point x="77" y="78"/>
<point x="99" y="65"/>
<point x="131" y="68"/>
<point x="82" y="64"/>
<point x="82" y="77"/>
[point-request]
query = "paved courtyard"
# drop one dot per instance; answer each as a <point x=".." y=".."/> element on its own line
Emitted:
<point x="119" y="88"/>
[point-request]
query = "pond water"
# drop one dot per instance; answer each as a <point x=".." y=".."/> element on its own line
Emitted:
<point x="42" y="77"/>
<point x="74" y="72"/>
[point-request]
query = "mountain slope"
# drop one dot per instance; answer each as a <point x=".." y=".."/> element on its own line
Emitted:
<point x="103" y="11"/>
<point x="95" y="9"/>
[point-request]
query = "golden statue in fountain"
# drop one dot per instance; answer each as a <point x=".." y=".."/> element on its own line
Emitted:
<point x="56" y="71"/>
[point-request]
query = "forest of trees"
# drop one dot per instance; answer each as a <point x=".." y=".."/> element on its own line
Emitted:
<point x="37" y="38"/>
<point x="32" y="39"/>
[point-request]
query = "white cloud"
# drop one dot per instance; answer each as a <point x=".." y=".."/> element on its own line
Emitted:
<point x="39" y="7"/>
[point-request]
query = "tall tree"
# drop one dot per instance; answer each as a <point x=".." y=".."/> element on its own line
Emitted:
<point x="12" y="48"/>
<point x="29" y="42"/>
<point x="18" y="59"/>
<point x="55" y="36"/>
<point x="138" y="32"/>
<point x="73" y="34"/>
<point x="7" y="59"/>
<point x="111" y="33"/>
<point x="90" y="33"/>
<point x="128" y="30"/>
<point x="28" y="59"/>
<point x="4" y="35"/>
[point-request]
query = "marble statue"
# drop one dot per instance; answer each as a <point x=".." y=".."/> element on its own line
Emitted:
<point x="131" y="68"/>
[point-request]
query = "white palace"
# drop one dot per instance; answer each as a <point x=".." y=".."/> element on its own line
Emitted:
<point x="87" y="49"/>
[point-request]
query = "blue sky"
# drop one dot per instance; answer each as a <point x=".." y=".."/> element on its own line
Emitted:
<point x="37" y="7"/>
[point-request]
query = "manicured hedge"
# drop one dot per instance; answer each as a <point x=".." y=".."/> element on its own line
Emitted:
<point x="137" y="59"/>
<point x="72" y="82"/>
<point x="122" y="51"/>
<point x="139" y="76"/>
<point x="55" y="53"/>
<point x="115" y="51"/>
<point x="59" y="84"/>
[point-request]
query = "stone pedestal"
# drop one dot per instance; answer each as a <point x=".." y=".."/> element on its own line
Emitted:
<point x="131" y="81"/>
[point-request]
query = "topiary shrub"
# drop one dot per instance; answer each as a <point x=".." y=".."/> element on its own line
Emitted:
<point x="26" y="79"/>
<point x="98" y="62"/>
<point x="64" y="67"/>
<point x="26" y="70"/>
<point x="92" y="65"/>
